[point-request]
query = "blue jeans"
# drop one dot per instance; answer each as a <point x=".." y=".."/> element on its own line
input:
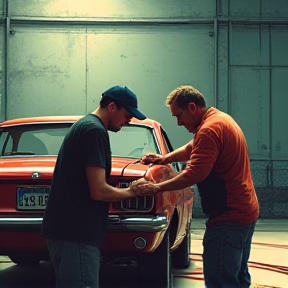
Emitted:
<point x="226" y="250"/>
<point x="76" y="264"/>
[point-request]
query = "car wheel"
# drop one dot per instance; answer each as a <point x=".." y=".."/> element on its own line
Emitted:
<point x="181" y="256"/>
<point x="24" y="258"/>
<point x="154" y="269"/>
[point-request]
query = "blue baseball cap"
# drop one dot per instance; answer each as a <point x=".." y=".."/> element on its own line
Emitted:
<point x="126" y="97"/>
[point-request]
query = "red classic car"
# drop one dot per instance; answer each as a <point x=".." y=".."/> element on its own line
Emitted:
<point x="142" y="232"/>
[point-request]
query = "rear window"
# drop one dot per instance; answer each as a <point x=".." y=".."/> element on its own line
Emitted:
<point x="131" y="141"/>
<point x="32" y="139"/>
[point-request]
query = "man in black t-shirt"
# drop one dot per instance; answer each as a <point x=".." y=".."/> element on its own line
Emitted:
<point x="75" y="219"/>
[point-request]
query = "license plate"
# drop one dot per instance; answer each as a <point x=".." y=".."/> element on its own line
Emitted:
<point x="32" y="198"/>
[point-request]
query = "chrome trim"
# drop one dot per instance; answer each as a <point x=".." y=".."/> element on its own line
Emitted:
<point x="21" y="221"/>
<point x="144" y="224"/>
<point x="132" y="224"/>
<point x="36" y="175"/>
<point x="156" y="139"/>
<point x="138" y="204"/>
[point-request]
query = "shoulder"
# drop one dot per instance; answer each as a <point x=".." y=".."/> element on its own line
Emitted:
<point x="213" y="125"/>
<point x="215" y="119"/>
<point x="91" y="122"/>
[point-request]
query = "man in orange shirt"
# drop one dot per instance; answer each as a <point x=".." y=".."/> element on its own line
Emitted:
<point x="219" y="165"/>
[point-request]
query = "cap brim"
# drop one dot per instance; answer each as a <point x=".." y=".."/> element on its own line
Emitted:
<point x="135" y="112"/>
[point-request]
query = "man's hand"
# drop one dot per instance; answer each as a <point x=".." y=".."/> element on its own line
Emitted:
<point x="143" y="187"/>
<point x="134" y="186"/>
<point x="148" y="188"/>
<point x="153" y="158"/>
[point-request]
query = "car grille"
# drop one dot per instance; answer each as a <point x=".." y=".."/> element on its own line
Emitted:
<point x="143" y="203"/>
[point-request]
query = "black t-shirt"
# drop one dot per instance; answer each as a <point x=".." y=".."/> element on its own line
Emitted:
<point x="71" y="214"/>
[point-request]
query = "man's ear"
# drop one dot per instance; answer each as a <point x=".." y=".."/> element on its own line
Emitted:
<point x="192" y="107"/>
<point x="111" y="107"/>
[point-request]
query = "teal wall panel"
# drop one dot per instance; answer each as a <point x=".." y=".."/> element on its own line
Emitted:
<point x="57" y="57"/>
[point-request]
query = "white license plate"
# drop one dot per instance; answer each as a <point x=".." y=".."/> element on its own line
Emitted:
<point x="32" y="198"/>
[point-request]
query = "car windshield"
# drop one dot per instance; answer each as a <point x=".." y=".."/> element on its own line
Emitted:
<point x="132" y="141"/>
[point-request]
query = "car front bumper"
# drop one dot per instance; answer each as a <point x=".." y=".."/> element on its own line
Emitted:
<point x="147" y="224"/>
<point x="22" y="233"/>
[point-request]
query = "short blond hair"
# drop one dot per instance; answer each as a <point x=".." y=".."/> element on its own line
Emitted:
<point x="185" y="94"/>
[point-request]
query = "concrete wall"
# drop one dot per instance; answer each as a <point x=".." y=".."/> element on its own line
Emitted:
<point x="57" y="57"/>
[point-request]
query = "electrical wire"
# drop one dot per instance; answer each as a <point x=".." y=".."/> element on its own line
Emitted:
<point x="130" y="163"/>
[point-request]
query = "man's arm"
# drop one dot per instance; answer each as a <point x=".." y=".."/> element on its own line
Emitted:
<point x="100" y="190"/>
<point x="180" y="181"/>
<point x="199" y="167"/>
<point x="181" y="154"/>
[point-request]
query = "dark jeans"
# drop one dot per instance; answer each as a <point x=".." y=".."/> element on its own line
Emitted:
<point x="76" y="264"/>
<point x="226" y="250"/>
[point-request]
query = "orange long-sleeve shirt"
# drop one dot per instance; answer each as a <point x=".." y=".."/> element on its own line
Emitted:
<point x="220" y="166"/>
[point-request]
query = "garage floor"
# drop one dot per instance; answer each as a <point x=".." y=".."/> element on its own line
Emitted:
<point x="268" y="262"/>
<point x="268" y="259"/>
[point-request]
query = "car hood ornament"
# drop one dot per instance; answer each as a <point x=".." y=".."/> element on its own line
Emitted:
<point x="36" y="175"/>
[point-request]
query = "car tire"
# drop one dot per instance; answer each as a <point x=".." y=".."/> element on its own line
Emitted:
<point x="181" y="256"/>
<point x="154" y="269"/>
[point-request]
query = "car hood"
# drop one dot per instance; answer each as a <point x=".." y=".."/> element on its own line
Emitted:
<point x="24" y="167"/>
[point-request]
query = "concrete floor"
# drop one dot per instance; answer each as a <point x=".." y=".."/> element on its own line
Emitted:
<point x="268" y="261"/>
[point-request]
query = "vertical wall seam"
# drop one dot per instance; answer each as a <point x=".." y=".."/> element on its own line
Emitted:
<point x="6" y="60"/>
<point x="216" y="62"/>
<point x="86" y="70"/>
<point x="229" y="67"/>
<point x="270" y="103"/>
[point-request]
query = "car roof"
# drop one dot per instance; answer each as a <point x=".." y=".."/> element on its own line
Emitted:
<point x="65" y="119"/>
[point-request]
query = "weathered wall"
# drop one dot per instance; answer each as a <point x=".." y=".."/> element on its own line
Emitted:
<point x="57" y="57"/>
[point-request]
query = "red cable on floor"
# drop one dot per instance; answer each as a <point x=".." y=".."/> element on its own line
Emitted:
<point x="195" y="274"/>
<point x="281" y="246"/>
<point x="269" y="267"/>
<point x="259" y="265"/>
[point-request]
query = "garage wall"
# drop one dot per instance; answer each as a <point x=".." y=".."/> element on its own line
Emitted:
<point x="57" y="57"/>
